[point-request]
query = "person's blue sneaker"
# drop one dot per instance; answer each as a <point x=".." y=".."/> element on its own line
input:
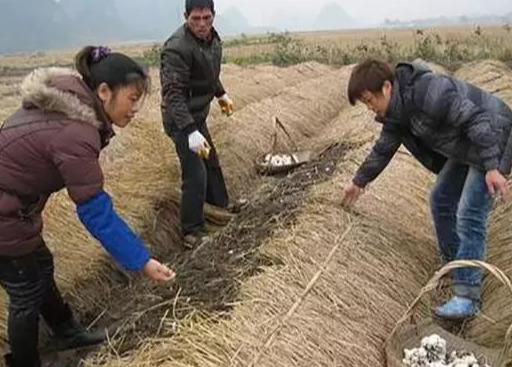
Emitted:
<point x="457" y="308"/>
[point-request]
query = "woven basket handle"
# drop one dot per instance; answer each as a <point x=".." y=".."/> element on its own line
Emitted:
<point x="433" y="283"/>
<point x="279" y="124"/>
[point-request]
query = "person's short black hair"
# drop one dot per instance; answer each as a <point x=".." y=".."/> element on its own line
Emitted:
<point x="193" y="4"/>
<point x="369" y="75"/>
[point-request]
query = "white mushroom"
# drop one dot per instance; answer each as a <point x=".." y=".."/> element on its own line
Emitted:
<point x="433" y="353"/>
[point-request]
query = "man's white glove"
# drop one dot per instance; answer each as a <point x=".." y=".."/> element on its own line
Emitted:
<point x="226" y="104"/>
<point x="198" y="144"/>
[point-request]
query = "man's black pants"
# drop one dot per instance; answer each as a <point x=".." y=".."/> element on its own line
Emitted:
<point x="202" y="181"/>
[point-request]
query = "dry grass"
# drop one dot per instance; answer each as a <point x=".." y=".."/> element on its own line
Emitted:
<point x="141" y="165"/>
<point x="344" y="319"/>
<point x="404" y="36"/>
<point x="450" y="47"/>
<point x="376" y="271"/>
<point x="229" y="299"/>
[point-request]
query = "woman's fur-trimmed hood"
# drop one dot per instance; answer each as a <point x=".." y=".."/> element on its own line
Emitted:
<point x="63" y="90"/>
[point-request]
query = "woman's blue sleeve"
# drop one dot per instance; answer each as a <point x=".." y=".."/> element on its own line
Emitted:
<point x="101" y="220"/>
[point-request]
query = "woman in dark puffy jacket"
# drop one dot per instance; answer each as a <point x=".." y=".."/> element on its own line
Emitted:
<point x="54" y="141"/>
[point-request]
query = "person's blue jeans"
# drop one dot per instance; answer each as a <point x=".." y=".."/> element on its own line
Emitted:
<point x="460" y="204"/>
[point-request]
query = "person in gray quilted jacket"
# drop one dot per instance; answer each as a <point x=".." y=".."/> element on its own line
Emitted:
<point x="457" y="131"/>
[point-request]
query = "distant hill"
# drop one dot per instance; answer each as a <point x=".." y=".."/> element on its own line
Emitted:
<point x="330" y="16"/>
<point x="30" y="24"/>
<point x="333" y="16"/>
<point x="448" y="21"/>
<point x="73" y="23"/>
<point x="149" y="19"/>
<point x="232" y="21"/>
<point x="34" y="25"/>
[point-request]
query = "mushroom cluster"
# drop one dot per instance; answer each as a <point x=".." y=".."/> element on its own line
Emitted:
<point x="433" y="353"/>
<point x="278" y="160"/>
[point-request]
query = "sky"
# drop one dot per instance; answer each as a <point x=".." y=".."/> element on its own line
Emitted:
<point x="260" y="12"/>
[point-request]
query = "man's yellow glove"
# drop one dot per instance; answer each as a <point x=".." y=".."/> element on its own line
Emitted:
<point x="226" y="104"/>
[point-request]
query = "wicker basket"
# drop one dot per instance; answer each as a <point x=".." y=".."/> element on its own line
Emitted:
<point x="408" y="333"/>
<point x="264" y="166"/>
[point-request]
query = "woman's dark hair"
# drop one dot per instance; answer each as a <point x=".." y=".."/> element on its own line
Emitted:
<point x="99" y="65"/>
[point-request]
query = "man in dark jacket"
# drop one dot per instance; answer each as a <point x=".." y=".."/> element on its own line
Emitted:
<point x="459" y="132"/>
<point x="190" y="69"/>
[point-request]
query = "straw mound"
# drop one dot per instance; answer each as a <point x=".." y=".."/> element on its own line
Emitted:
<point x="244" y="85"/>
<point x="253" y="297"/>
<point x="493" y="76"/>
<point x="250" y="84"/>
<point x="304" y="110"/>
<point x="140" y="164"/>
<point x="238" y="152"/>
<point x="377" y="269"/>
<point x="142" y="175"/>
<point x="345" y="318"/>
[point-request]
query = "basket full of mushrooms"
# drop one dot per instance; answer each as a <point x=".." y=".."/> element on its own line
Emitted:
<point x="422" y="340"/>
<point x="278" y="161"/>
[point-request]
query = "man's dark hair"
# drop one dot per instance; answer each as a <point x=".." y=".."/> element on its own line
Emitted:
<point x="193" y="4"/>
<point x="370" y="76"/>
